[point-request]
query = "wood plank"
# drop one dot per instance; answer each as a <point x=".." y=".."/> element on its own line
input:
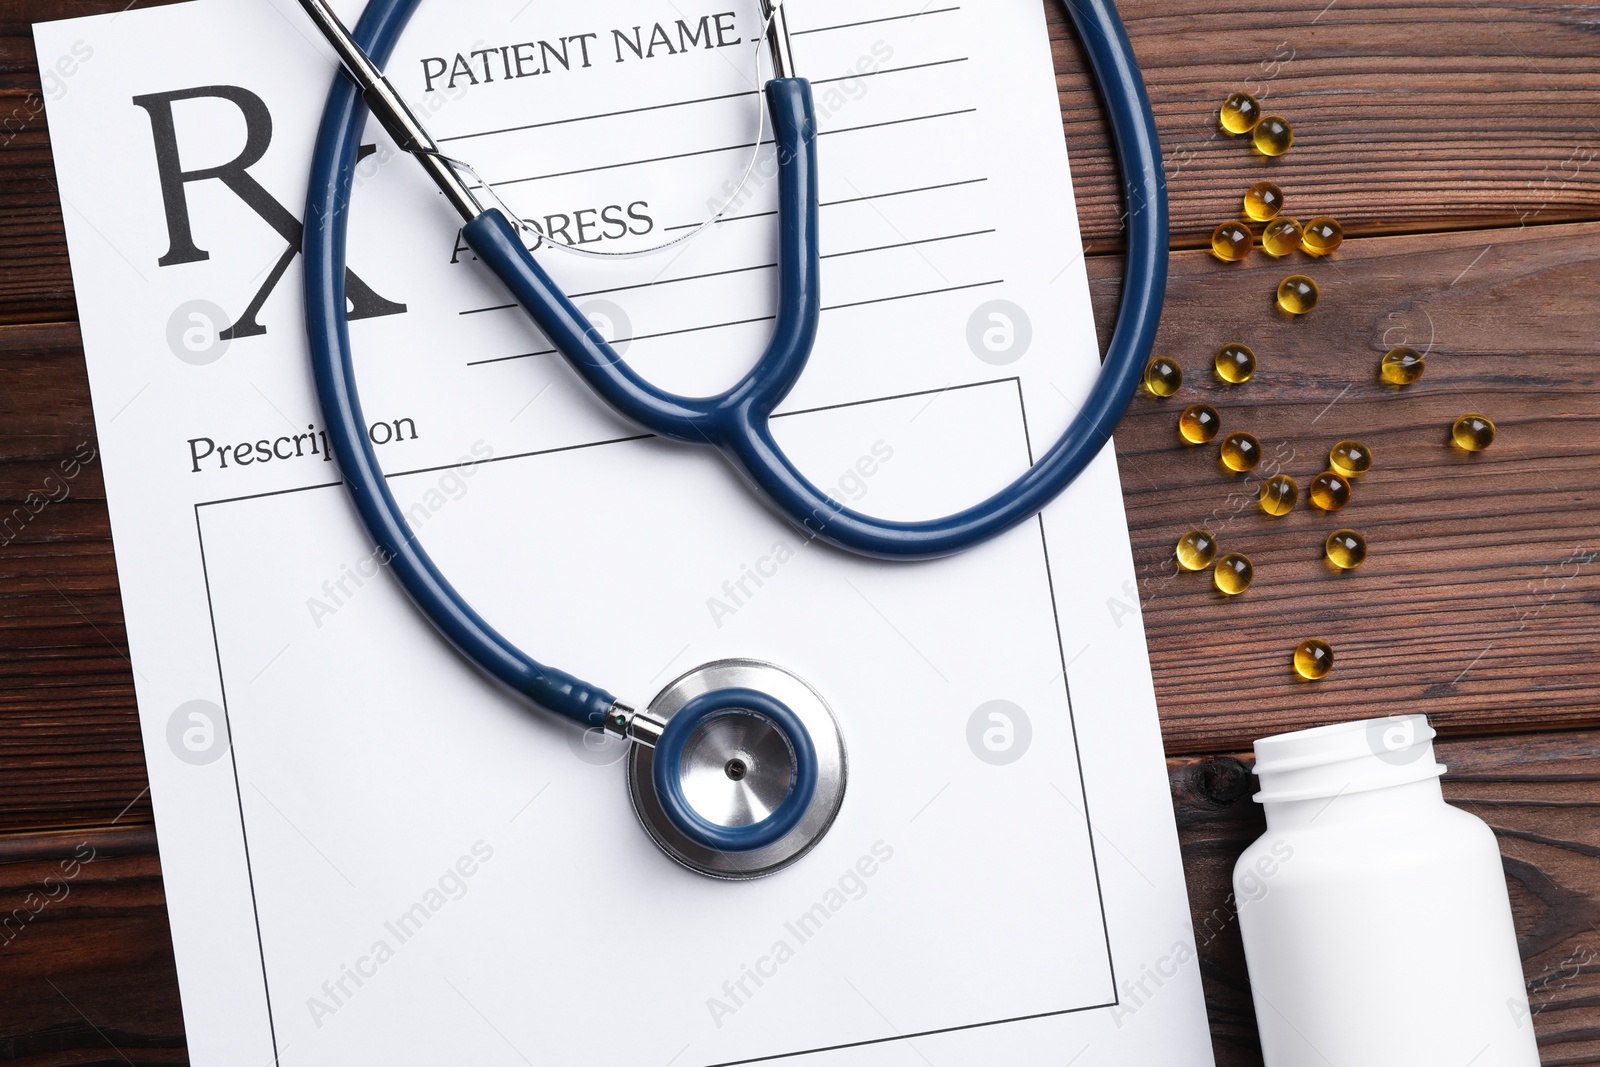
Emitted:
<point x="1458" y="115"/>
<point x="86" y="953"/>
<point x="69" y="731"/>
<point x="96" y="967"/>
<point x="1478" y="604"/>
<point x="45" y="418"/>
<point x="1477" y="607"/>
<point x="1409" y="117"/>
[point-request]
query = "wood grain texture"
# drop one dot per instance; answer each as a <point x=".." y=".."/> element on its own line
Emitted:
<point x="85" y="952"/>
<point x="1409" y="117"/>
<point x="69" y="736"/>
<point x="1480" y="603"/>
<point x="94" y="969"/>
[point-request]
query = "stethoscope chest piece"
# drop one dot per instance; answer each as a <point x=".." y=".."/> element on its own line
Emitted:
<point x="747" y="775"/>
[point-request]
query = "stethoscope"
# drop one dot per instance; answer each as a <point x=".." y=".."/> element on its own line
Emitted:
<point x="738" y="767"/>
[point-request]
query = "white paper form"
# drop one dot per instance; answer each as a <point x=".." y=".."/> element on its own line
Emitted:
<point x="371" y="854"/>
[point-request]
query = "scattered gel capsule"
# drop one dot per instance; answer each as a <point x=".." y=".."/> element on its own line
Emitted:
<point x="1234" y="574"/>
<point x="1263" y="201"/>
<point x="1330" y="491"/>
<point x="1199" y="424"/>
<point x="1279" y="494"/>
<point x="1232" y="241"/>
<point x="1241" y="452"/>
<point x="1402" y="366"/>
<point x="1323" y="235"/>
<point x="1350" y="458"/>
<point x="1347" y="549"/>
<point x="1281" y="236"/>
<point x="1240" y="113"/>
<point x="1473" y="433"/>
<point x="1273" y="135"/>
<point x="1196" y="550"/>
<point x="1235" y="363"/>
<point x="1298" y="294"/>
<point x="1313" y="659"/>
<point x="1162" y="376"/>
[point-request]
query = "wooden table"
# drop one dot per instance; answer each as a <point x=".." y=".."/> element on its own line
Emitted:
<point x="1458" y="144"/>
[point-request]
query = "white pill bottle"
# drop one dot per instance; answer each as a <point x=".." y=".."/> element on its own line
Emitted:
<point x="1376" y="922"/>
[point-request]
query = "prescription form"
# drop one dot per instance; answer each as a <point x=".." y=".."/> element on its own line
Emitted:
<point x="371" y="854"/>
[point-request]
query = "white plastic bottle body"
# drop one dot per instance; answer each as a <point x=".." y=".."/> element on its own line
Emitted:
<point x="1376" y="923"/>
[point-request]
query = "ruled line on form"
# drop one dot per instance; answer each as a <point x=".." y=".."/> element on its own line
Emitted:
<point x="874" y="22"/>
<point x="691" y="103"/>
<point x="745" y="269"/>
<point x="762" y="318"/>
<point x="714" y="151"/>
<point x="836" y="203"/>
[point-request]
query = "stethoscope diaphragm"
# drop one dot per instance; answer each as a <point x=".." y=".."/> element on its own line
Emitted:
<point x="756" y="751"/>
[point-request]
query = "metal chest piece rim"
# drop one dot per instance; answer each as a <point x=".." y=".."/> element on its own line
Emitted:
<point x="832" y="769"/>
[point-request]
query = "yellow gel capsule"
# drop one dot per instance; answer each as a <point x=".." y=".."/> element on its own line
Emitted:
<point x="1313" y="659"/>
<point x="1234" y="574"/>
<point x="1263" y="201"/>
<point x="1162" y="376"/>
<point x="1196" y="550"/>
<point x="1323" y="235"/>
<point x="1199" y="424"/>
<point x="1279" y="494"/>
<point x="1231" y="242"/>
<point x="1241" y="452"/>
<point x="1298" y="294"/>
<point x="1273" y="135"/>
<point x="1350" y="458"/>
<point x="1235" y="363"/>
<point x="1330" y="491"/>
<point x="1281" y="236"/>
<point x="1240" y="113"/>
<point x="1402" y="366"/>
<point x="1346" y="549"/>
<point x="1473" y="433"/>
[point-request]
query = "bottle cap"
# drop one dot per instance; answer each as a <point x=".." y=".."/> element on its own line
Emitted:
<point x="1349" y="757"/>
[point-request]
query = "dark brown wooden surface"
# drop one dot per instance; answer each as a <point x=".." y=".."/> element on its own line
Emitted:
<point x="1458" y="143"/>
<point x="1409" y="117"/>
<point x="88" y="976"/>
<point x="1478" y="602"/>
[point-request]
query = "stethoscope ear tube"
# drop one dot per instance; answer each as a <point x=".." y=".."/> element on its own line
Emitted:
<point x="333" y="370"/>
<point x="736" y="421"/>
<point x="1137" y="145"/>
<point x="715" y="420"/>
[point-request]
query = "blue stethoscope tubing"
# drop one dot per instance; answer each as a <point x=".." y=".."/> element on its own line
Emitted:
<point x="735" y="422"/>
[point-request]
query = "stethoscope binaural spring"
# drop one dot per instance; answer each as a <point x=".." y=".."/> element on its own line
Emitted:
<point x="738" y="768"/>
